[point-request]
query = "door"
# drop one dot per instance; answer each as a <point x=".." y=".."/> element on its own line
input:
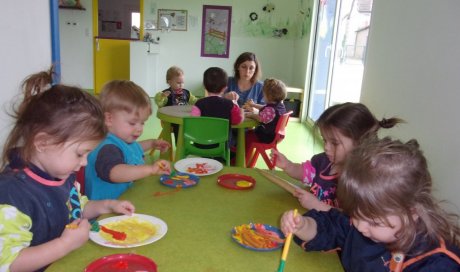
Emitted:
<point x="115" y="24"/>
<point x="339" y="51"/>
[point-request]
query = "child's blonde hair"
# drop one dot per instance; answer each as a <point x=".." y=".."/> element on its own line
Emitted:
<point x="124" y="95"/>
<point x="64" y="113"/>
<point x="274" y="90"/>
<point x="173" y="72"/>
<point x="387" y="177"/>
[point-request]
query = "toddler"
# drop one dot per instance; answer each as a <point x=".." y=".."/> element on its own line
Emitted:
<point x="56" y="126"/>
<point x="274" y="94"/>
<point x="214" y="105"/>
<point x="342" y="127"/>
<point x="119" y="159"/>
<point x="390" y="220"/>
<point x="175" y="94"/>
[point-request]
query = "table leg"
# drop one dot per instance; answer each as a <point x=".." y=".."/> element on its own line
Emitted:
<point x="166" y="135"/>
<point x="240" y="160"/>
<point x="180" y="143"/>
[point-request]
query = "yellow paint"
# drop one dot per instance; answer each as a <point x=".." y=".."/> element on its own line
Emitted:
<point x="136" y="229"/>
<point x="243" y="183"/>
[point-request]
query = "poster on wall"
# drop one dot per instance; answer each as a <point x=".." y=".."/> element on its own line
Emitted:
<point x="172" y="19"/>
<point x="215" y="34"/>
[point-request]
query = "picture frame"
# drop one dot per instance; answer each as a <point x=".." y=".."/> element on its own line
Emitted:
<point x="172" y="19"/>
<point x="216" y="28"/>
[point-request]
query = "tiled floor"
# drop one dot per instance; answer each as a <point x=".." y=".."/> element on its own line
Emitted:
<point x="298" y="145"/>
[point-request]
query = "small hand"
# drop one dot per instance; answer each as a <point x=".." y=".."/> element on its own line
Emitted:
<point x="166" y="93"/>
<point x="161" y="145"/>
<point x="77" y="235"/>
<point x="281" y="160"/>
<point x="291" y="224"/>
<point x="306" y="199"/>
<point x="232" y="96"/>
<point x="161" y="167"/>
<point x="123" y="207"/>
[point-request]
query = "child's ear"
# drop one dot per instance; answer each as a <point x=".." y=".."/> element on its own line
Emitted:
<point x="41" y="141"/>
<point x="108" y="118"/>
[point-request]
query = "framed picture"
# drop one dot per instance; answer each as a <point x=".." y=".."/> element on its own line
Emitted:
<point x="172" y="19"/>
<point x="215" y="34"/>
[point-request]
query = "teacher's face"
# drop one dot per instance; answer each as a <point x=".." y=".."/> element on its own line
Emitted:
<point x="247" y="69"/>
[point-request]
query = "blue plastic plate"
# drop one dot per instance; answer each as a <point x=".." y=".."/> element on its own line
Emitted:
<point x="179" y="179"/>
<point x="276" y="234"/>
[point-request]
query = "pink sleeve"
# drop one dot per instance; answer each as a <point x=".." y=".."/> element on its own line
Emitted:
<point x="236" y="116"/>
<point x="267" y="115"/>
<point x="308" y="173"/>
<point x="195" y="111"/>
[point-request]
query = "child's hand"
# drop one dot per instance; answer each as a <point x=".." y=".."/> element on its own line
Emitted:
<point x="281" y="160"/>
<point x="306" y="199"/>
<point x="123" y="207"/>
<point x="232" y="96"/>
<point x="166" y="93"/>
<point x="76" y="234"/>
<point x="289" y="224"/>
<point x="161" y="167"/>
<point x="161" y="145"/>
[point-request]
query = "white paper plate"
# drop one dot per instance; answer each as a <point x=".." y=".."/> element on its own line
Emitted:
<point x="160" y="225"/>
<point x="211" y="166"/>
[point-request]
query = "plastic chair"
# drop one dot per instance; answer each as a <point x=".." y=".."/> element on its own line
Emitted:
<point x="258" y="148"/>
<point x="199" y="131"/>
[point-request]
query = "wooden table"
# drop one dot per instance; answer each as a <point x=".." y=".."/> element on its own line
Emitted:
<point x="174" y="114"/>
<point x="200" y="220"/>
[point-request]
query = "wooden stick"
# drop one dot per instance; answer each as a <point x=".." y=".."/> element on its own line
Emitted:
<point x="286" y="185"/>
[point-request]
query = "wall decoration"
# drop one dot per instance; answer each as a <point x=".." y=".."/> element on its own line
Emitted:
<point x="215" y="34"/>
<point x="172" y="19"/>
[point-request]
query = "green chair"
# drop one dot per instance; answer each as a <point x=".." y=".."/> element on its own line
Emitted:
<point x="206" y="137"/>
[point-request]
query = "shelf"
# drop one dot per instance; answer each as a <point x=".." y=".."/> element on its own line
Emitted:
<point x="72" y="7"/>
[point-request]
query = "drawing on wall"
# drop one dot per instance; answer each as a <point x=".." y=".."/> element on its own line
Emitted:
<point x="215" y="34"/>
<point x="172" y="19"/>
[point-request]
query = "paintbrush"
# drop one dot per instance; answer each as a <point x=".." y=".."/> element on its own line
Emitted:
<point x="286" y="248"/>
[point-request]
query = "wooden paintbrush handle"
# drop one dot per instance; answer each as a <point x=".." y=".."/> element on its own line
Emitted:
<point x="278" y="181"/>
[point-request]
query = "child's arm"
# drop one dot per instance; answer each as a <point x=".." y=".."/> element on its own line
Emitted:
<point x="309" y="201"/>
<point x="250" y="103"/>
<point x="195" y="111"/>
<point x="35" y="257"/>
<point x="294" y="170"/>
<point x="303" y="227"/>
<point x="94" y="208"/>
<point x="237" y="115"/>
<point x="161" y="98"/>
<point x="126" y="172"/>
<point x="155" y="144"/>
<point x="192" y="100"/>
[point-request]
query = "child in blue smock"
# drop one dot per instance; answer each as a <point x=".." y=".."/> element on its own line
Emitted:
<point x="119" y="160"/>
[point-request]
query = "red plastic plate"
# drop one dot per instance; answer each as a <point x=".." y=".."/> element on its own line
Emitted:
<point x="236" y="181"/>
<point x="122" y="262"/>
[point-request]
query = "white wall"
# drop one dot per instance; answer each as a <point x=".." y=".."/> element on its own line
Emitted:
<point x="278" y="56"/>
<point x="25" y="49"/>
<point x="413" y="71"/>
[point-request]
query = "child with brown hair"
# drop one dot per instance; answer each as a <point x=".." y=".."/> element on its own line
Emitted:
<point x="343" y="127"/>
<point x="274" y="91"/>
<point x="55" y="129"/>
<point x="119" y="159"/>
<point x="214" y="105"/>
<point x="390" y="220"/>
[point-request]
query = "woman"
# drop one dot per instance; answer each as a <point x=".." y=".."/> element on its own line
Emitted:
<point x="245" y="85"/>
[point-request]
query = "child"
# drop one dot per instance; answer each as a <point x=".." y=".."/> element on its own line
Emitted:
<point x="214" y="105"/>
<point x="274" y="94"/>
<point x="55" y="129"/>
<point x="175" y="94"/>
<point x="119" y="159"/>
<point x="342" y="127"/>
<point x="389" y="214"/>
